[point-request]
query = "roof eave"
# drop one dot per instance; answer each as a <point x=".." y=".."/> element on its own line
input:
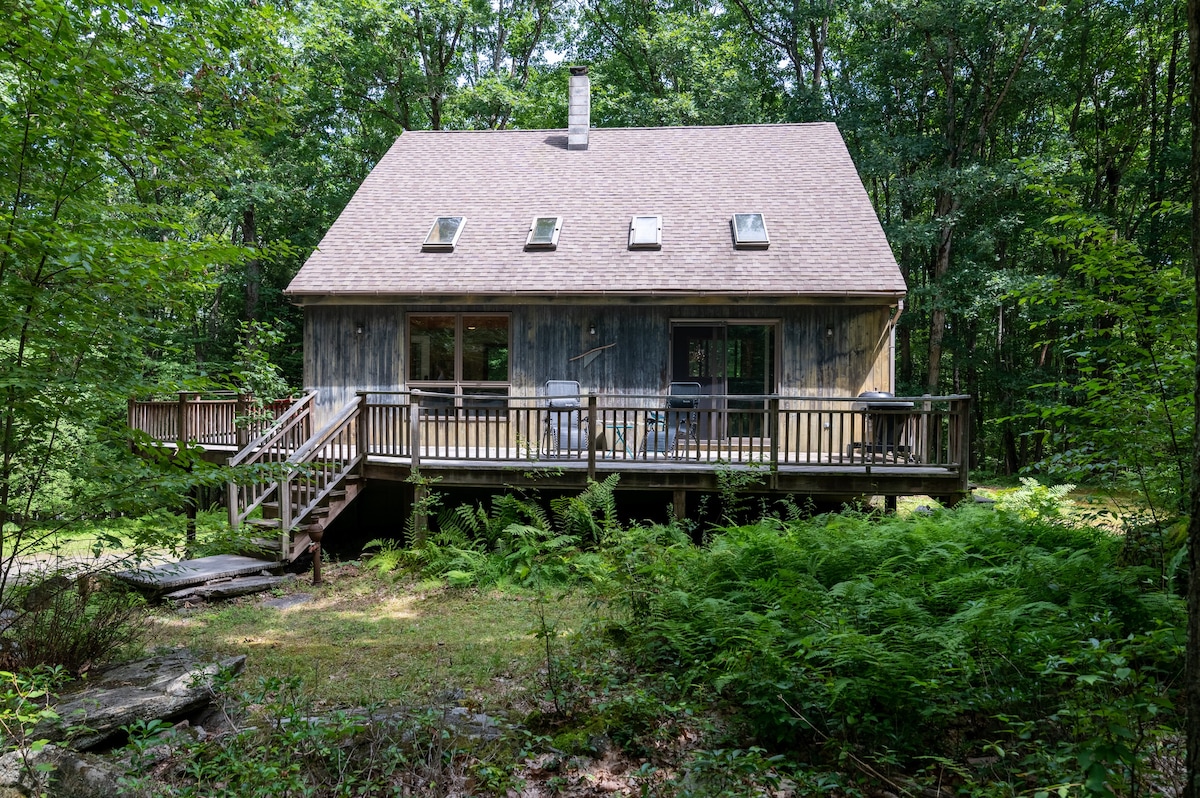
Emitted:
<point x="635" y="297"/>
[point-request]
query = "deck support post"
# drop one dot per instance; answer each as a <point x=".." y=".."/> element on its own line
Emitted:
<point x="592" y="435"/>
<point x="181" y="439"/>
<point x="420" y="519"/>
<point x="960" y="439"/>
<point x="679" y="504"/>
<point x="773" y="428"/>
<point x="241" y="421"/>
<point x="315" y="533"/>
<point x="362" y="440"/>
<point x="181" y="416"/>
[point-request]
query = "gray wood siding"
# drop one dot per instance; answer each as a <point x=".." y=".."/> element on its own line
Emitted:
<point x="856" y="357"/>
<point x="339" y="362"/>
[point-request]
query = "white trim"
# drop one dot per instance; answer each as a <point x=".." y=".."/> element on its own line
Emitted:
<point x="440" y="245"/>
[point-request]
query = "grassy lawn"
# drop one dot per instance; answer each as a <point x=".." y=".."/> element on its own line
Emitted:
<point x="362" y="638"/>
<point x="80" y="539"/>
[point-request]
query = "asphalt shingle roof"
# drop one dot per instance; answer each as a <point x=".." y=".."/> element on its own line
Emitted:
<point x="825" y="237"/>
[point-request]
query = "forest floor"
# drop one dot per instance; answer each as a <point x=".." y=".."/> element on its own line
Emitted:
<point x="364" y="640"/>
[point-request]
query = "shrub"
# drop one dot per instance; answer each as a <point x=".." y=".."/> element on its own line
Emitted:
<point x="919" y="636"/>
<point x="65" y="622"/>
<point x="285" y="744"/>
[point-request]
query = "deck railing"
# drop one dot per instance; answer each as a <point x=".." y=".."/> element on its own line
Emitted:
<point x="769" y="430"/>
<point x="271" y="452"/>
<point x="215" y="418"/>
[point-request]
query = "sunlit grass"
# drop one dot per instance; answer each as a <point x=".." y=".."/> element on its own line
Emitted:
<point x="362" y="639"/>
<point x="90" y="537"/>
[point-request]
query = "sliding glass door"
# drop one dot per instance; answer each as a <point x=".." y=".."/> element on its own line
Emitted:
<point x="729" y="360"/>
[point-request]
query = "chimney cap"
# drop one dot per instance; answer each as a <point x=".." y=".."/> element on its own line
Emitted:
<point x="578" y="71"/>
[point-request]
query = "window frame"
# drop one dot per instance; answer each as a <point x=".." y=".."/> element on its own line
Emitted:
<point x="457" y="389"/>
<point x="530" y="244"/>
<point x="657" y="243"/>
<point x="442" y="246"/>
<point x="738" y="243"/>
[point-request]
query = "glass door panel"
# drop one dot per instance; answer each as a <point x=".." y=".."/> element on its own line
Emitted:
<point x="727" y="360"/>
<point x="750" y="371"/>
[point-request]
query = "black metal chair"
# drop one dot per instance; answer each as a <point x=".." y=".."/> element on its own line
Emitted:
<point x="566" y="430"/>
<point x="679" y="425"/>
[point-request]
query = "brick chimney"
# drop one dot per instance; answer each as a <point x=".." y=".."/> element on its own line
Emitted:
<point x="579" y="109"/>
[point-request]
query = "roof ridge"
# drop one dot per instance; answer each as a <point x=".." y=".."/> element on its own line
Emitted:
<point x="562" y="130"/>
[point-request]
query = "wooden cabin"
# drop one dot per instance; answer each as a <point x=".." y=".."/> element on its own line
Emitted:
<point x="475" y="271"/>
<point x="476" y="263"/>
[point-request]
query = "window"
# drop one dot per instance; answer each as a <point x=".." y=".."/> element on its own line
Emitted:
<point x="543" y="233"/>
<point x="464" y="356"/>
<point x="645" y="232"/>
<point x="444" y="234"/>
<point x="750" y="231"/>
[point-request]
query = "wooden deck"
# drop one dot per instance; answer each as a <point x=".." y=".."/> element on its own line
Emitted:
<point x="303" y="474"/>
<point x="805" y="445"/>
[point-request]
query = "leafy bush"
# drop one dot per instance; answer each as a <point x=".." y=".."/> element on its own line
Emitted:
<point x="922" y="636"/>
<point x="1034" y="501"/>
<point x="65" y="622"/>
<point x="24" y="704"/>
<point x="520" y="542"/>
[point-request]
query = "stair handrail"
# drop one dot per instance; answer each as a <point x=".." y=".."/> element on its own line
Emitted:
<point x="258" y="450"/>
<point x="293" y="516"/>
<point x="278" y="429"/>
<point x="322" y="436"/>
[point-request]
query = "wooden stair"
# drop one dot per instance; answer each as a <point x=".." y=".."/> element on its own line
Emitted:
<point x="322" y="476"/>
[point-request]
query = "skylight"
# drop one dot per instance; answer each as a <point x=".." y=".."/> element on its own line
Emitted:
<point x="645" y="232"/>
<point x="444" y="234"/>
<point x="750" y="231"/>
<point x="543" y="232"/>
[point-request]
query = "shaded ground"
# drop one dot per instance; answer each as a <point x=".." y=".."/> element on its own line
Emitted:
<point x="361" y="640"/>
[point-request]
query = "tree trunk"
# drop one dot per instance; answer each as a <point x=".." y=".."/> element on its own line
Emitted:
<point x="253" y="267"/>
<point x="1192" y="673"/>
<point x="947" y="205"/>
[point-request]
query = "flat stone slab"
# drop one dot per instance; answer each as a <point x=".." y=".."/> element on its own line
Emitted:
<point x="287" y="602"/>
<point x="164" y="687"/>
<point x="173" y="576"/>
<point x="229" y="588"/>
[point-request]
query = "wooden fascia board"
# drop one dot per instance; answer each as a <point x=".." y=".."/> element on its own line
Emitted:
<point x="889" y="298"/>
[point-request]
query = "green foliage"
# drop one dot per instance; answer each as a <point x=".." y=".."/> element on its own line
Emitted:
<point x="24" y="705"/>
<point x="1120" y="413"/>
<point x="285" y="744"/>
<point x="730" y="773"/>
<point x="258" y="377"/>
<point x="385" y="556"/>
<point x="107" y="133"/>
<point x="67" y="623"/>
<point x="519" y="541"/>
<point x="917" y="636"/>
<point x="1034" y="502"/>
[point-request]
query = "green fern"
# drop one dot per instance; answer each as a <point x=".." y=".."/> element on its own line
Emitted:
<point x="387" y="557"/>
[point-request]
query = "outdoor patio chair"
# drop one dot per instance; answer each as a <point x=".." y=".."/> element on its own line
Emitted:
<point x="566" y="430"/>
<point x="676" y="428"/>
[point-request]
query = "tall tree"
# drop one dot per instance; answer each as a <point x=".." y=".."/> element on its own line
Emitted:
<point x="1192" y="674"/>
<point x="103" y="141"/>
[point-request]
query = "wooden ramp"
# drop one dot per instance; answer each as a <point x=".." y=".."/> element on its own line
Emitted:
<point x="176" y="575"/>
